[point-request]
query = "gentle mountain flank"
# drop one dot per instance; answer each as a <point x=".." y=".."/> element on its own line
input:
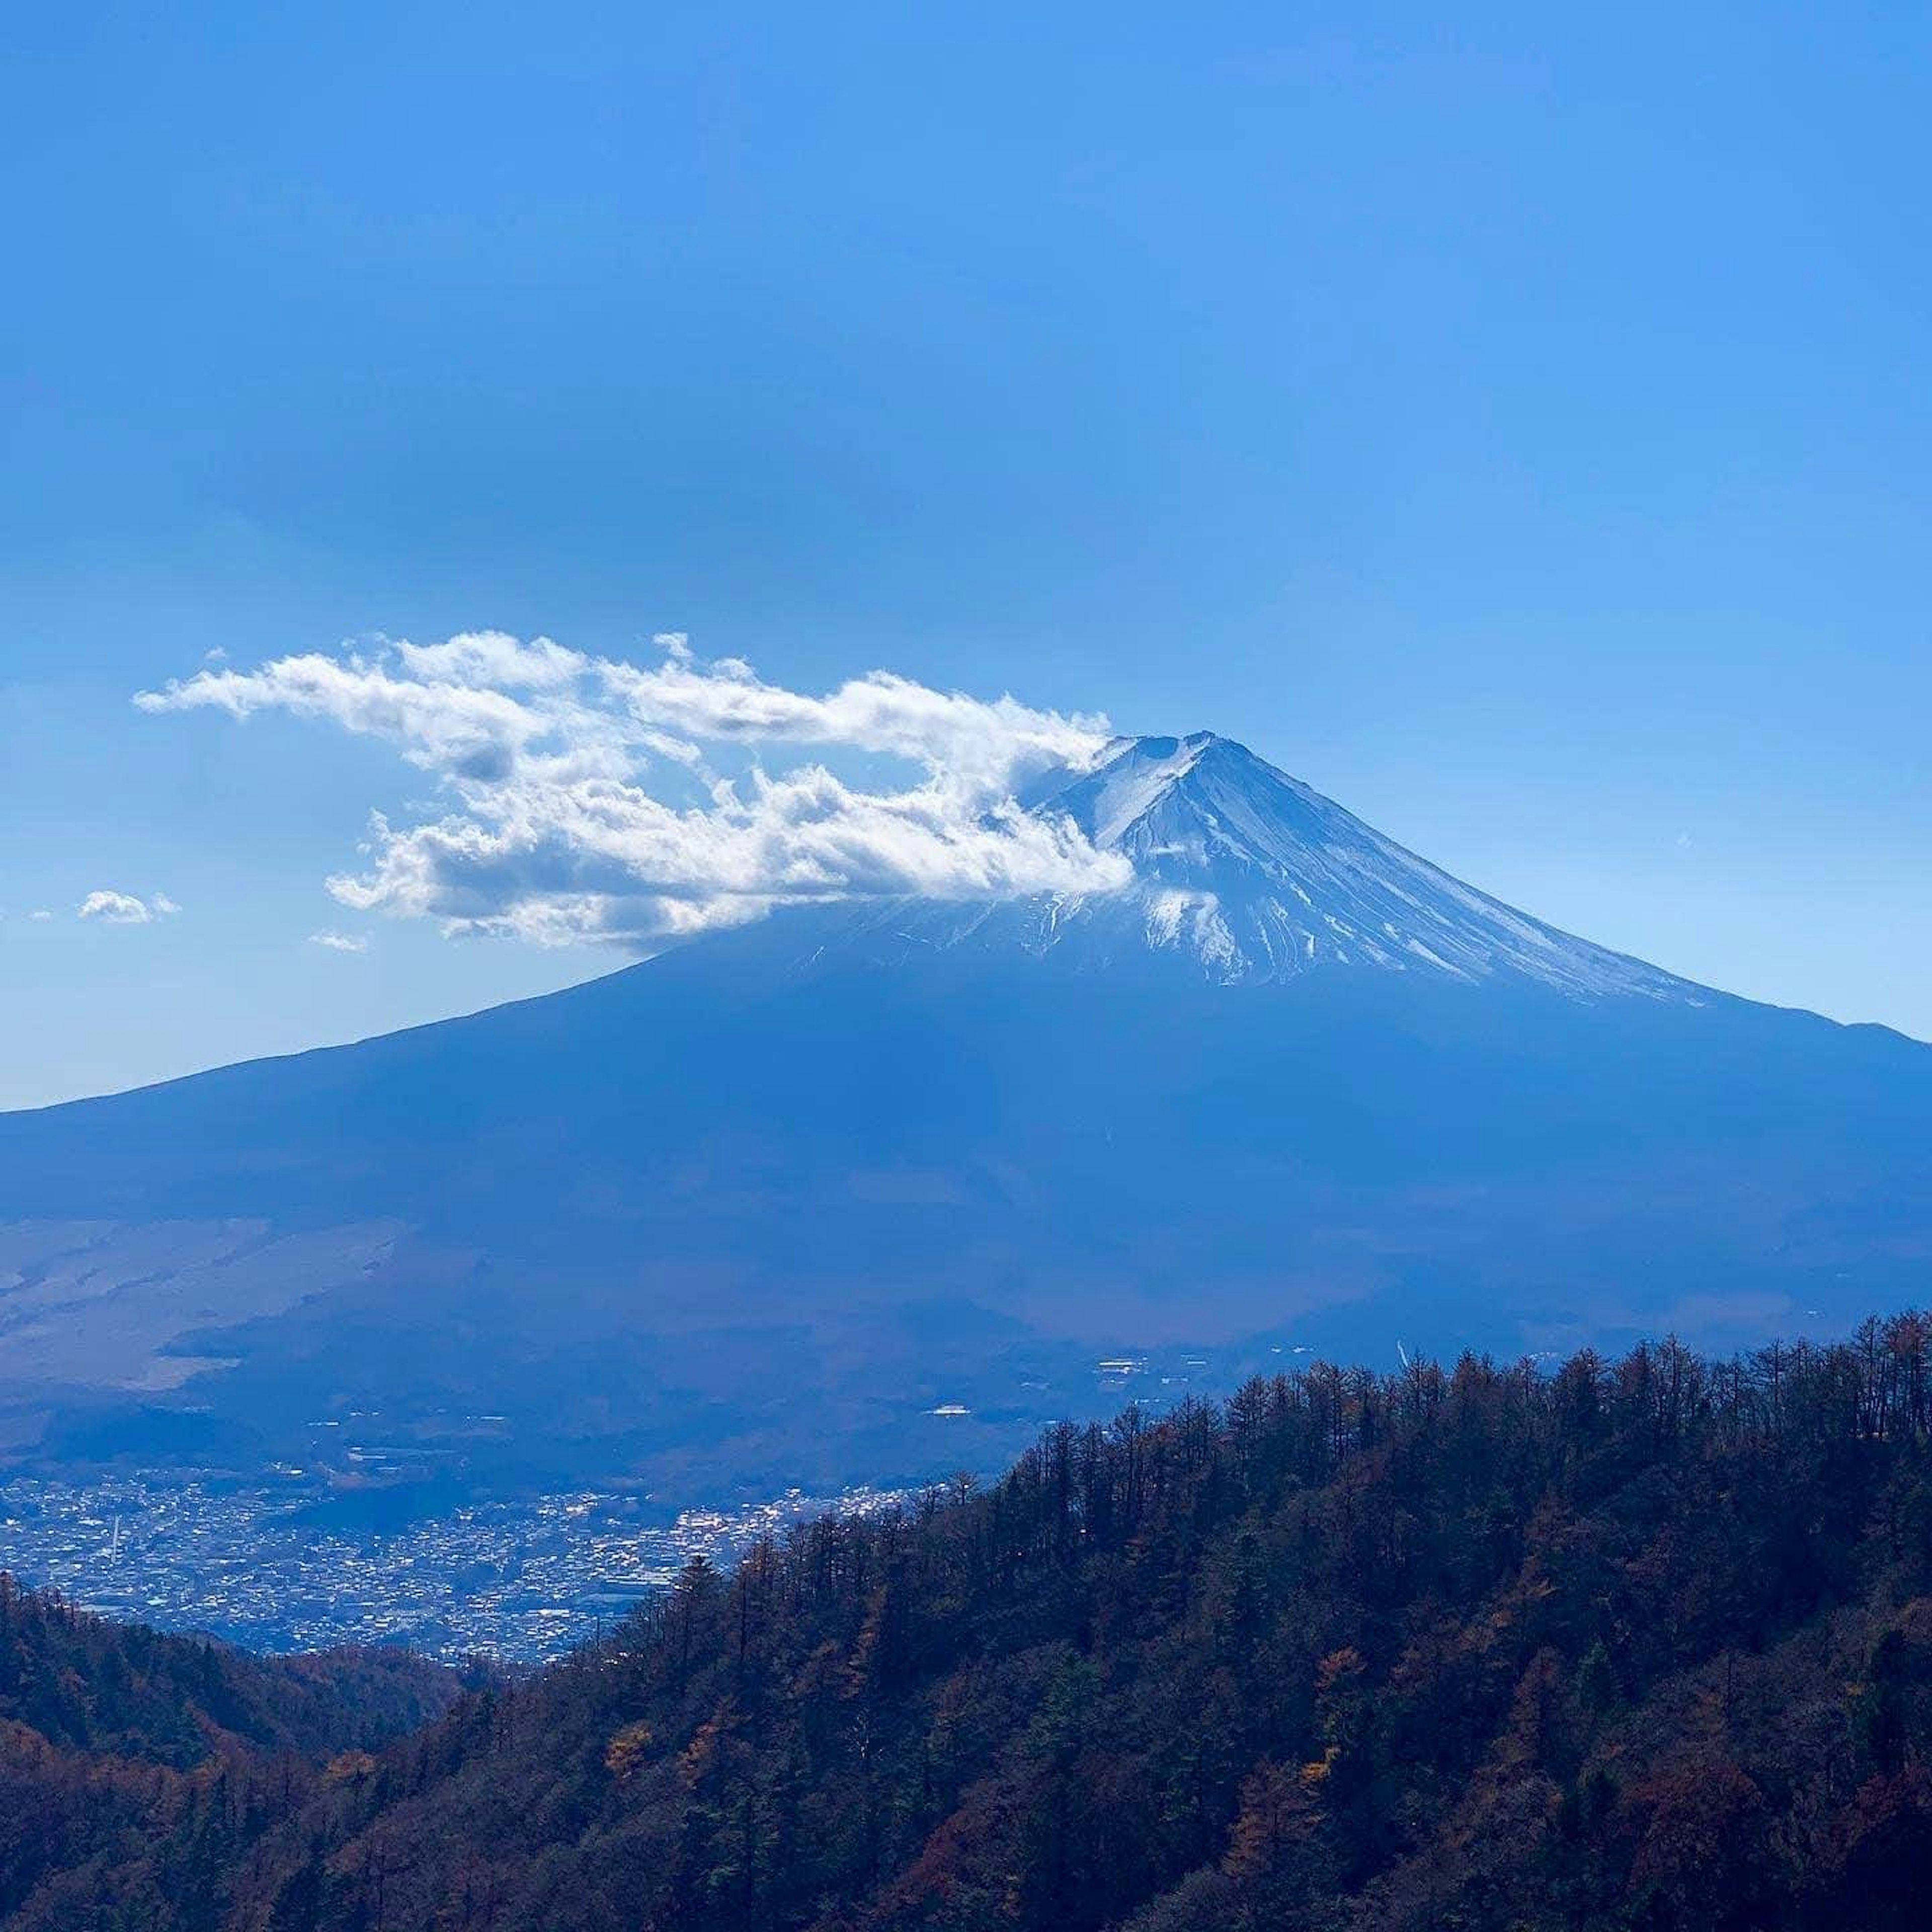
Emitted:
<point x="868" y="1191"/>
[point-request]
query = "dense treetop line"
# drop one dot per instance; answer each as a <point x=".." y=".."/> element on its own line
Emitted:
<point x="1640" y="1643"/>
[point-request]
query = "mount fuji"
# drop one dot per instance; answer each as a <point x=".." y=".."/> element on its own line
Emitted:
<point x="1247" y="876"/>
<point x="869" y="1190"/>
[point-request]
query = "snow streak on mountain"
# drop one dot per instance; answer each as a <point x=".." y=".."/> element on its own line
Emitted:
<point x="1246" y="875"/>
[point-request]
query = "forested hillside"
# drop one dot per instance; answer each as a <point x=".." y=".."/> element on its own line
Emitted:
<point x="127" y="1757"/>
<point x="1645" y="1643"/>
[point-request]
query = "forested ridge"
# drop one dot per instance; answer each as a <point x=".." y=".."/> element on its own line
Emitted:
<point x="131" y="1761"/>
<point x="1640" y="1643"/>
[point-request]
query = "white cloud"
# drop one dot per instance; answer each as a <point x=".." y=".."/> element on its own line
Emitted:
<point x="340" y="942"/>
<point x="582" y="805"/>
<point x="39" y="914"/>
<point x="124" y="908"/>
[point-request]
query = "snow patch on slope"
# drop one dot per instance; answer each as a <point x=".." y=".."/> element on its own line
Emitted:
<point x="1243" y="875"/>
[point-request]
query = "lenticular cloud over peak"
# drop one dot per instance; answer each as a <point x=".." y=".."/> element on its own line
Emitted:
<point x="585" y="803"/>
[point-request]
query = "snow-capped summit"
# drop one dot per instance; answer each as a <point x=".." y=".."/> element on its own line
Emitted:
<point x="752" y="1207"/>
<point x="1244" y="874"/>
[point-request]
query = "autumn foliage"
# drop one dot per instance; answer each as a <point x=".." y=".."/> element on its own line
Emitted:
<point x="1639" y="1644"/>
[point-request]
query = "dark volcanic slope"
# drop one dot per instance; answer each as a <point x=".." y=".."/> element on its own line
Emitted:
<point x="756" y="1207"/>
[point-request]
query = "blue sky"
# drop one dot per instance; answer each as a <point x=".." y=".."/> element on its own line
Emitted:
<point x="1518" y="426"/>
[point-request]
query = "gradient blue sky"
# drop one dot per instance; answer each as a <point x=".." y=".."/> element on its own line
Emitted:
<point x="1520" y="427"/>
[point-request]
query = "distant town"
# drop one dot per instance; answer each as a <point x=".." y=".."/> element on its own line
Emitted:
<point x="280" y="1559"/>
<point x="518" y="1582"/>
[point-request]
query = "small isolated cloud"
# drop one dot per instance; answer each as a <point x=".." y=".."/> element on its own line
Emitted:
<point x="581" y="802"/>
<point x="340" y="942"/>
<point x="40" y="913"/>
<point x="124" y="909"/>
